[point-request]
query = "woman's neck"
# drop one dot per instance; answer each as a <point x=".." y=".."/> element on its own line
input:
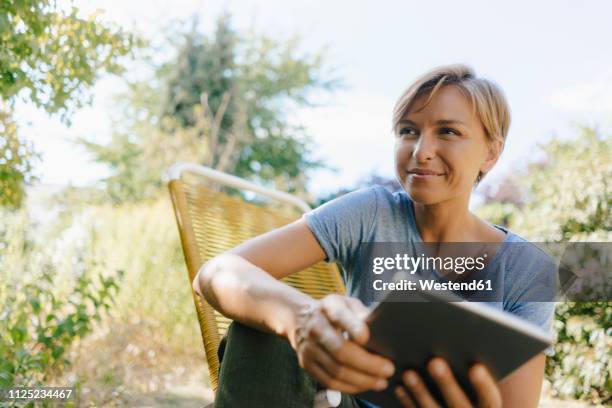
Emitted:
<point x="448" y="221"/>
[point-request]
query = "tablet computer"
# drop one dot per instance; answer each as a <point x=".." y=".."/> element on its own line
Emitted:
<point x="411" y="328"/>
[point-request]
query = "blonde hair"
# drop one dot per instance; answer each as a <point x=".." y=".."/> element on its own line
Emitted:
<point x="487" y="99"/>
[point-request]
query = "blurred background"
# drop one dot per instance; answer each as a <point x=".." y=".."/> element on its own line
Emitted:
<point x="99" y="98"/>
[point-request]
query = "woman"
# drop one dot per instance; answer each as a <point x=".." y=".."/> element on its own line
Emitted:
<point x="450" y="128"/>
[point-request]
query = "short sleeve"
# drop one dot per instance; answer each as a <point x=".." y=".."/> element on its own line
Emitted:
<point x="340" y="225"/>
<point x="533" y="286"/>
<point x="538" y="313"/>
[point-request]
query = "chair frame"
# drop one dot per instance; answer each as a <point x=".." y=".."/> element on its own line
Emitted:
<point x="177" y="170"/>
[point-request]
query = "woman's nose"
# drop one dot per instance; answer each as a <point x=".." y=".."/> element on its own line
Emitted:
<point x="425" y="148"/>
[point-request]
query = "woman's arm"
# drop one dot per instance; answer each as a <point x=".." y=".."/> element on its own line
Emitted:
<point x="523" y="387"/>
<point x="243" y="285"/>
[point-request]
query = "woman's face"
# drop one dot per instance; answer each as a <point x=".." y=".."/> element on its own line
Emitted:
<point x="440" y="149"/>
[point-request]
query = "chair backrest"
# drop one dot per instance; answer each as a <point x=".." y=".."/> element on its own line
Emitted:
<point x="211" y="222"/>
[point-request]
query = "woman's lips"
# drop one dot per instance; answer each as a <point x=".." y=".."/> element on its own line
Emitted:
<point x="423" y="177"/>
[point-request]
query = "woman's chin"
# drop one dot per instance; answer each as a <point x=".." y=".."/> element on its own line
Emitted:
<point x="422" y="197"/>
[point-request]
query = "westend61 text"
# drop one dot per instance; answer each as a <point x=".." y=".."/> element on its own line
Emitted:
<point x="429" y="284"/>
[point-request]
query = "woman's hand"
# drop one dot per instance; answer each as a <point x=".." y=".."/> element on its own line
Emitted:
<point x="415" y="394"/>
<point x="334" y="361"/>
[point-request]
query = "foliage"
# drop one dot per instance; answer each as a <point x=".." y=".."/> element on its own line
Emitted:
<point x="49" y="57"/>
<point x="16" y="161"/>
<point x="498" y="213"/>
<point x="43" y="313"/>
<point x="568" y="198"/>
<point x="581" y="365"/>
<point x="55" y="54"/>
<point x="66" y="270"/>
<point x="138" y="166"/>
<point x="203" y="65"/>
<point x="225" y="103"/>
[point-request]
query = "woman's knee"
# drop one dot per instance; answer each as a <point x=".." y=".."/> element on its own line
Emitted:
<point x="261" y="369"/>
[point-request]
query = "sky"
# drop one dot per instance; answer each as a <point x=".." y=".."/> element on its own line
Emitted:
<point x="552" y="59"/>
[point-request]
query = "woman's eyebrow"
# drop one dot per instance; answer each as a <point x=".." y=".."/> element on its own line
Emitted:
<point x="437" y="122"/>
<point x="450" y="122"/>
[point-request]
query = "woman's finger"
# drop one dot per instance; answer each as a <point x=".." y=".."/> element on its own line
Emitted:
<point x="418" y="390"/>
<point x="448" y="386"/>
<point x="486" y="387"/>
<point x="345" y="373"/>
<point x="403" y="397"/>
<point x="362" y="312"/>
<point x="321" y="331"/>
<point x="325" y="379"/>
<point x="339" y="312"/>
<point x="353" y="355"/>
<point x="346" y="352"/>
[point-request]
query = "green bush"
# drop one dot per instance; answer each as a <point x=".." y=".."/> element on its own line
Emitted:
<point x="44" y="311"/>
<point x="568" y="199"/>
<point x="59" y="278"/>
<point x="581" y="365"/>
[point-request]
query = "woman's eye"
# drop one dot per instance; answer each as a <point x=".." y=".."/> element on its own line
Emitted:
<point x="449" y="131"/>
<point x="408" y="131"/>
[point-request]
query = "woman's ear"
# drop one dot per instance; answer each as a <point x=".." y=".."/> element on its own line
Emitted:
<point x="494" y="151"/>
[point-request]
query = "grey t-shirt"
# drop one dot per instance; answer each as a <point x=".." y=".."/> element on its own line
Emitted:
<point x="374" y="214"/>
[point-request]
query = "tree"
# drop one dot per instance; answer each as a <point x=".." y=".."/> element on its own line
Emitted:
<point x="224" y="103"/>
<point x="48" y="57"/>
<point x="204" y="66"/>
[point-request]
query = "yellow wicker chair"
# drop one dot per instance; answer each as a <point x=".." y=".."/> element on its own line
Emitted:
<point x="211" y="222"/>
